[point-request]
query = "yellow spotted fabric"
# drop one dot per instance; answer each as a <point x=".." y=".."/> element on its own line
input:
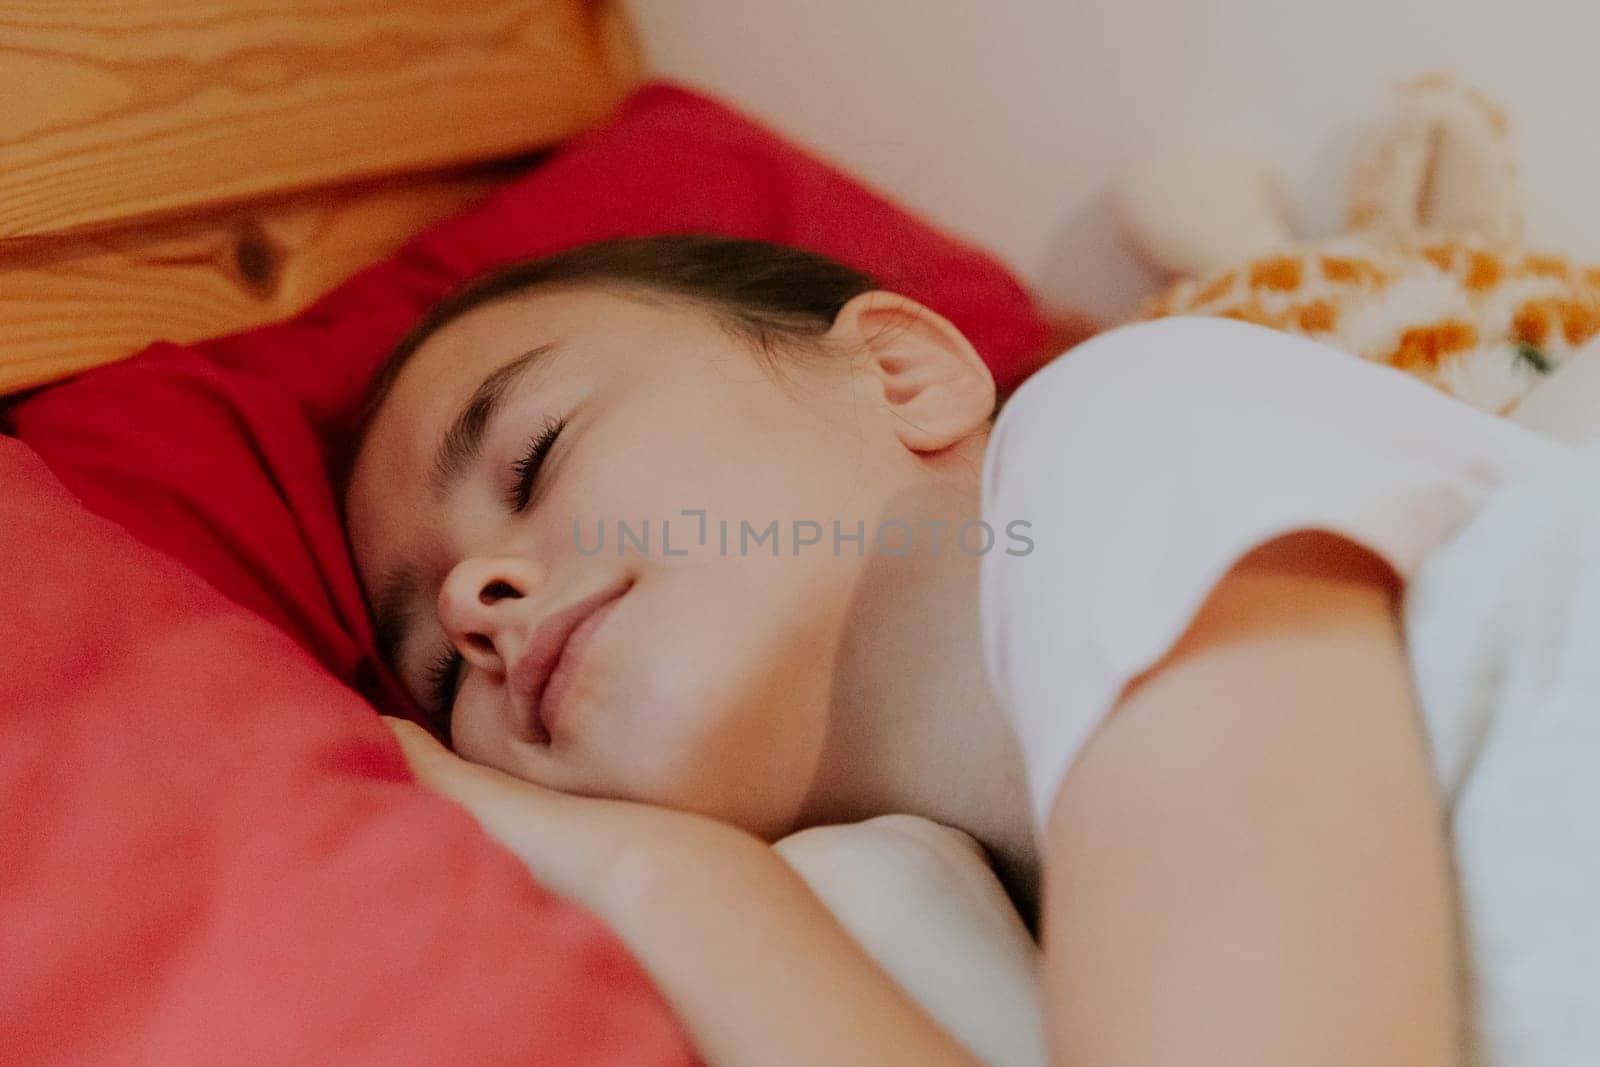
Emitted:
<point x="1483" y="325"/>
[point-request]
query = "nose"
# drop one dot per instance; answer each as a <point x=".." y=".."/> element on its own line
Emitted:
<point x="485" y="607"/>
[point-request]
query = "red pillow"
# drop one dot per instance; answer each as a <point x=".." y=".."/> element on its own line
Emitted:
<point x="211" y="851"/>
<point x="215" y="453"/>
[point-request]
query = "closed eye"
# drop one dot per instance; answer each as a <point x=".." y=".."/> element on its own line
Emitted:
<point x="525" y="471"/>
<point x="444" y="678"/>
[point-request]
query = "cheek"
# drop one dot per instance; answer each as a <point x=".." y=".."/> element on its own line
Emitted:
<point x="744" y="755"/>
<point x="727" y="699"/>
<point x="735" y="454"/>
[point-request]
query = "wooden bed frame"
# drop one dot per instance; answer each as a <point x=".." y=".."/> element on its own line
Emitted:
<point x="177" y="169"/>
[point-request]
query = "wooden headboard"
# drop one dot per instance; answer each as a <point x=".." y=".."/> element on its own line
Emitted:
<point x="175" y="169"/>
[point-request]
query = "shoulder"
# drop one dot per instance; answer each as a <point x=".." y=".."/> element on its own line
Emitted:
<point x="1189" y="370"/>
<point x="1148" y="461"/>
<point x="1187" y="398"/>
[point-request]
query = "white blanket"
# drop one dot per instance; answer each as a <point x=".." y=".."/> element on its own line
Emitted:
<point x="1504" y="632"/>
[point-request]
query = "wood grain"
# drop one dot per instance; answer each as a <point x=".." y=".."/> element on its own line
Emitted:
<point x="113" y="112"/>
<point x="178" y="169"/>
<point x="69" y="304"/>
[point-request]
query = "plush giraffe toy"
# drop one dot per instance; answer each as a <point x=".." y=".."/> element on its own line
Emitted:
<point x="1429" y="277"/>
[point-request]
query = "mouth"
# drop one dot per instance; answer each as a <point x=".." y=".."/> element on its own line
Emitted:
<point x="546" y="670"/>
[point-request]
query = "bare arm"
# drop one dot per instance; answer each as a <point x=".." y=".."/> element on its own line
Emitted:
<point x="1246" y="864"/>
<point x="754" y="965"/>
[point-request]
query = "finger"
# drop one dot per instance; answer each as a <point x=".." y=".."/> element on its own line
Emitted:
<point x="428" y="759"/>
<point x="415" y="742"/>
<point x="410" y="735"/>
<point x="437" y="768"/>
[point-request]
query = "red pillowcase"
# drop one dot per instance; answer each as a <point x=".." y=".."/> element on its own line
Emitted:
<point x="213" y="854"/>
<point x="216" y="452"/>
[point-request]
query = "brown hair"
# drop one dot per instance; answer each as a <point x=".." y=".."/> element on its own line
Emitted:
<point x="773" y="296"/>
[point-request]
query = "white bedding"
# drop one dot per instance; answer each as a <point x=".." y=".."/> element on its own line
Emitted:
<point x="1504" y="631"/>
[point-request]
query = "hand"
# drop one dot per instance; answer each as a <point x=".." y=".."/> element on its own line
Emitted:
<point x="446" y="773"/>
<point x="571" y="844"/>
<point x="697" y="901"/>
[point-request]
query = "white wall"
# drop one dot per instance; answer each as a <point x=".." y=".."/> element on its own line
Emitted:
<point x="1003" y="120"/>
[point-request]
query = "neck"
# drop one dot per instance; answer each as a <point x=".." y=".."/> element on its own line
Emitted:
<point x="915" y="729"/>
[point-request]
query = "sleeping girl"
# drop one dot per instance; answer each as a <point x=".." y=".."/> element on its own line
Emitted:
<point x="688" y="544"/>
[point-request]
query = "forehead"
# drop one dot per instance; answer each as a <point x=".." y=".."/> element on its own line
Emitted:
<point x="598" y="330"/>
<point x="451" y="363"/>
<point x="595" y="326"/>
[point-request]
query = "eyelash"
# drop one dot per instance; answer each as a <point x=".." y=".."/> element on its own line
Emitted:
<point x="444" y="674"/>
<point x="526" y="469"/>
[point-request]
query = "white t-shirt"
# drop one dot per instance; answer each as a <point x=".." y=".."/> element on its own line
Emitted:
<point x="1149" y="460"/>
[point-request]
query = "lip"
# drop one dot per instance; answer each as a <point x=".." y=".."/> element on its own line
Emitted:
<point x="545" y="671"/>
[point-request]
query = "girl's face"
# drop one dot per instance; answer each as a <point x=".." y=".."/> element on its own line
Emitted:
<point x="576" y="517"/>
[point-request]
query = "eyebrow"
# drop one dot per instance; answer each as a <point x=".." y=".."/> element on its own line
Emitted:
<point x="463" y="441"/>
<point x="392" y="604"/>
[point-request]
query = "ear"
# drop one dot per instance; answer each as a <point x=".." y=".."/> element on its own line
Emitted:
<point x="933" y="380"/>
